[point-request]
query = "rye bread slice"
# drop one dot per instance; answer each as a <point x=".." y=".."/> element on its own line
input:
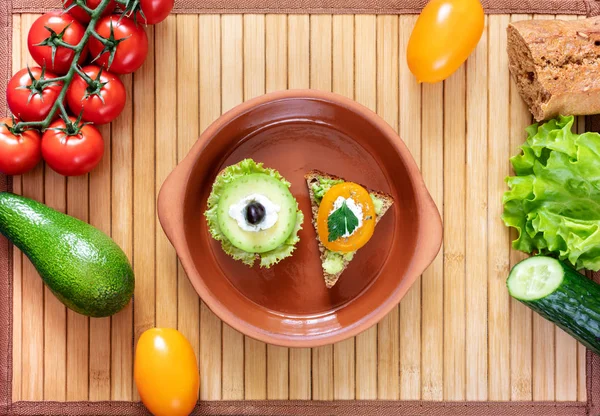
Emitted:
<point x="556" y="65"/>
<point x="312" y="177"/>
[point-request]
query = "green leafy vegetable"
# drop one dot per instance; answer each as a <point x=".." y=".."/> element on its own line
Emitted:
<point x="554" y="199"/>
<point x="341" y="221"/>
<point x="228" y="175"/>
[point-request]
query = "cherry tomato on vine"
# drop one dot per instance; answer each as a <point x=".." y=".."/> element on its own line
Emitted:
<point x="152" y="12"/>
<point x="72" y="149"/>
<point x="29" y="97"/>
<point x="444" y="36"/>
<point x="81" y="15"/>
<point x="19" y="152"/>
<point x="126" y="44"/>
<point x="101" y="100"/>
<point x="45" y="36"/>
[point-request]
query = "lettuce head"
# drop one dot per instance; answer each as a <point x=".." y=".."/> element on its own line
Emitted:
<point x="554" y="198"/>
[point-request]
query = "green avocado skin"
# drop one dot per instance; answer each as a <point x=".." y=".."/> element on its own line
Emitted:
<point x="81" y="265"/>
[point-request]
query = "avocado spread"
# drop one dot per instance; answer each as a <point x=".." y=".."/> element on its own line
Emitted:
<point x="378" y="203"/>
<point x="334" y="262"/>
<point x="321" y="188"/>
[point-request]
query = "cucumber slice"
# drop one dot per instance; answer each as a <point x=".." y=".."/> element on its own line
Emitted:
<point x="535" y="278"/>
<point x="278" y="193"/>
<point x="561" y="295"/>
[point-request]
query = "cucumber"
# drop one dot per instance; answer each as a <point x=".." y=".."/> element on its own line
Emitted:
<point x="561" y="295"/>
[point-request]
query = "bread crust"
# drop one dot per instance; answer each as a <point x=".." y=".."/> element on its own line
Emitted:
<point x="312" y="177"/>
<point x="556" y="65"/>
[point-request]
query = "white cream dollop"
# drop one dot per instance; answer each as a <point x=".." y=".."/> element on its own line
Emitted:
<point x="238" y="212"/>
<point x="354" y="207"/>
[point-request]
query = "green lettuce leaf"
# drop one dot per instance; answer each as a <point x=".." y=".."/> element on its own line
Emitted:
<point x="228" y="175"/>
<point x="554" y="199"/>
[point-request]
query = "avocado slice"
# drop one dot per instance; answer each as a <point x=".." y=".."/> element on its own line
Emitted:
<point x="81" y="265"/>
<point x="278" y="193"/>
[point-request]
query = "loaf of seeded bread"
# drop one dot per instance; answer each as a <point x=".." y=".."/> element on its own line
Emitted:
<point x="556" y="65"/>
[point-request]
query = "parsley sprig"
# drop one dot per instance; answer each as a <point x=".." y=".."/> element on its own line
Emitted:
<point x="341" y="221"/>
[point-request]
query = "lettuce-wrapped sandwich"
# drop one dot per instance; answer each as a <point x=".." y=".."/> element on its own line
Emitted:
<point x="252" y="212"/>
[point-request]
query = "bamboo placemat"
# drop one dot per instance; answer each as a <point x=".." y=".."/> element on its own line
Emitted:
<point x="456" y="345"/>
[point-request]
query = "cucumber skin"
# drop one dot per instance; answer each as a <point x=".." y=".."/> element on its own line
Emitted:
<point x="574" y="306"/>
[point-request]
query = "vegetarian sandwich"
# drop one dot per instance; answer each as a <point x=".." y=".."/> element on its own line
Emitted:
<point x="344" y="216"/>
<point x="252" y="212"/>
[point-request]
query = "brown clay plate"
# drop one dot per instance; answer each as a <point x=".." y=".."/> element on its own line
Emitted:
<point x="288" y="304"/>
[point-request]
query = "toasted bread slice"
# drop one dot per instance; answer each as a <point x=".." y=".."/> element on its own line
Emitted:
<point x="312" y="177"/>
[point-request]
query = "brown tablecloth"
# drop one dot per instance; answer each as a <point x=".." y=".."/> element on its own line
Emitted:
<point x="350" y="408"/>
<point x="344" y="6"/>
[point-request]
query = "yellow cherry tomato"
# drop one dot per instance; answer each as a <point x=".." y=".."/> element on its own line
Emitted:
<point x="444" y="36"/>
<point x="362" y="235"/>
<point x="166" y="372"/>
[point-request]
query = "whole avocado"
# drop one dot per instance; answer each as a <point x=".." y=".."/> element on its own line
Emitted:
<point x="81" y="265"/>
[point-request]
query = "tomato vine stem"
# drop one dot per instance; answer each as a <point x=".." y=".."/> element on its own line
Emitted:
<point x="100" y="38"/>
<point x="81" y="4"/>
<point x="95" y="15"/>
<point x="65" y="45"/>
<point x="83" y="75"/>
<point x="63" y="111"/>
<point x="51" y="80"/>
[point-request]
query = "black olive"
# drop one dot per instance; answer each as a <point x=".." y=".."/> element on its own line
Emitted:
<point x="255" y="213"/>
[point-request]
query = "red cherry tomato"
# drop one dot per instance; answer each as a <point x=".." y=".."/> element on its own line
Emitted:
<point x="19" y="153"/>
<point x="154" y="11"/>
<point x="72" y="153"/>
<point x="444" y="36"/>
<point x="28" y="97"/>
<point x="49" y="29"/>
<point x="102" y="100"/>
<point x="127" y="44"/>
<point x="81" y="15"/>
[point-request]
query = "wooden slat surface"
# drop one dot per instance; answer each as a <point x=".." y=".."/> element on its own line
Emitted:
<point x="344" y="368"/>
<point x="365" y="92"/>
<point x="455" y="336"/>
<point x="100" y="329"/>
<point x="17" y="351"/>
<point x="498" y="239"/>
<point x="476" y="224"/>
<point x="521" y="329"/>
<point x="276" y="78"/>
<point x="210" y="108"/>
<point x="388" y="330"/>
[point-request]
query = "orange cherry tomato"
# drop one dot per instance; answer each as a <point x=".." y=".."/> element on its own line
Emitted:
<point x="444" y="36"/>
<point x="166" y="372"/>
<point x="362" y="235"/>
